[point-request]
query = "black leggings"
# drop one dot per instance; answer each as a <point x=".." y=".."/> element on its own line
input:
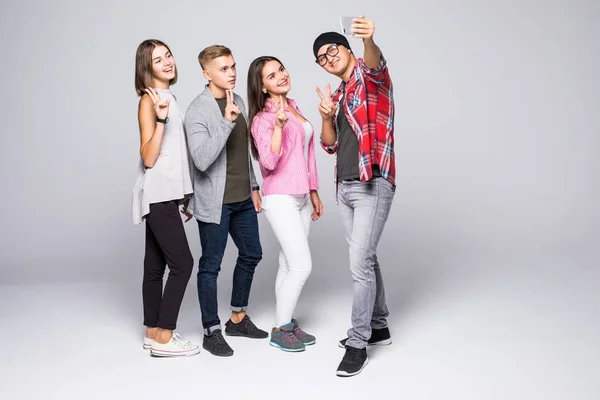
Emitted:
<point x="166" y="243"/>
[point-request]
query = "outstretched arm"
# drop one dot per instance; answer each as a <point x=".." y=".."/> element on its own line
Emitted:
<point x="365" y="29"/>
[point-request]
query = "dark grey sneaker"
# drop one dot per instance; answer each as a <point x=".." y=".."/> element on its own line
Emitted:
<point x="379" y="337"/>
<point x="284" y="338"/>
<point x="216" y="345"/>
<point x="306" y="338"/>
<point x="245" y="328"/>
<point x="353" y="362"/>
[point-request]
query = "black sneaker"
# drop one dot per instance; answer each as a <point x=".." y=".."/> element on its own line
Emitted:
<point x="353" y="362"/>
<point x="379" y="337"/>
<point x="245" y="328"/>
<point x="216" y="345"/>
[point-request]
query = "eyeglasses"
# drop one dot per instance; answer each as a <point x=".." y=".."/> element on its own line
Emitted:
<point x="331" y="51"/>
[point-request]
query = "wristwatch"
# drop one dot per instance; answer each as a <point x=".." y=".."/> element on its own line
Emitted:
<point x="164" y="121"/>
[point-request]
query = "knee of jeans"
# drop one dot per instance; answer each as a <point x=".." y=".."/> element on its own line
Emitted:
<point x="251" y="260"/>
<point x="211" y="265"/>
<point x="358" y="273"/>
<point x="362" y="267"/>
<point x="252" y="257"/>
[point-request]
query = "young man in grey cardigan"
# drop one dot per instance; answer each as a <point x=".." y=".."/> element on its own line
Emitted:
<point x="226" y="196"/>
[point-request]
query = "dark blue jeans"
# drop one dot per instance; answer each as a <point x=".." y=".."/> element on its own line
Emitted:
<point x="241" y="222"/>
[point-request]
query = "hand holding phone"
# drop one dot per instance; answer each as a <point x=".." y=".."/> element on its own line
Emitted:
<point x="359" y="27"/>
<point x="346" y="25"/>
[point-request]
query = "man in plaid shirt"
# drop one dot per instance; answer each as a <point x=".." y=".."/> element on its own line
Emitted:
<point x="358" y="126"/>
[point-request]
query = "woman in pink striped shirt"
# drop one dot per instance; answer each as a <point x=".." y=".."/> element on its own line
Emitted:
<point x="283" y="144"/>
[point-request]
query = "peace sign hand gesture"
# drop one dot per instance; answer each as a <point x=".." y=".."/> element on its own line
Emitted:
<point x="280" y="116"/>
<point x="161" y="107"/>
<point x="326" y="107"/>
<point x="231" y="110"/>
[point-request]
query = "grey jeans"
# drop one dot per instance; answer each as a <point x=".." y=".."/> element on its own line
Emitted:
<point x="364" y="208"/>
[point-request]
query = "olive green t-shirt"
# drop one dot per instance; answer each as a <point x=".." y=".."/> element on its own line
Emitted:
<point x="348" y="150"/>
<point x="237" y="184"/>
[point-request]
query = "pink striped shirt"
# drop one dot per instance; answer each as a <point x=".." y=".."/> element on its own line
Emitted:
<point x="287" y="172"/>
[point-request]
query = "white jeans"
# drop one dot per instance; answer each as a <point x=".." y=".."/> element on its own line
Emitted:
<point x="290" y="218"/>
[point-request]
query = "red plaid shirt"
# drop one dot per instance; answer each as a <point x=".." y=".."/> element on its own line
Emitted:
<point x="369" y="107"/>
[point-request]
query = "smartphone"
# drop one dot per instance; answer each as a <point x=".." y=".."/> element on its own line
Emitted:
<point x="346" y="25"/>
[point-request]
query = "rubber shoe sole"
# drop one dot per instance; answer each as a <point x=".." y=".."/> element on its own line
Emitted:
<point x="346" y="374"/>
<point x="239" y="334"/>
<point x="186" y="353"/>
<point x="385" y="342"/>
<point x="148" y="343"/>
<point x="285" y="348"/>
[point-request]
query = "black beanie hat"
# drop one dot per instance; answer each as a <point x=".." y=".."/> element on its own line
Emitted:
<point x="327" y="38"/>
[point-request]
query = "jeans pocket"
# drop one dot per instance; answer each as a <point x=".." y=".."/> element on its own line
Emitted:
<point x="387" y="185"/>
<point x="387" y="190"/>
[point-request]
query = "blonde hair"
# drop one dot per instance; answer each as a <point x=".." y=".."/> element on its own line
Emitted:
<point x="212" y="52"/>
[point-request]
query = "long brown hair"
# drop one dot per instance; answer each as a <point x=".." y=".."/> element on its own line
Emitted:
<point x="256" y="97"/>
<point x="143" y="65"/>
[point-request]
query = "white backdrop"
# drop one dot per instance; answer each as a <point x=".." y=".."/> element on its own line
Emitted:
<point x="490" y="255"/>
<point x="496" y="131"/>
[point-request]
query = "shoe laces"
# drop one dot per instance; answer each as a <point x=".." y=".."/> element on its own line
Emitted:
<point x="248" y="324"/>
<point x="291" y="337"/>
<point x="298" y="331"/>
<point x="179" y="340"/>
<point x="219" y="339"/>
<point x="354" y="353"/>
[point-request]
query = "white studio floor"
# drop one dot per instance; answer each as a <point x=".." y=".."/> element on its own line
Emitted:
<point x="503" y="332"/>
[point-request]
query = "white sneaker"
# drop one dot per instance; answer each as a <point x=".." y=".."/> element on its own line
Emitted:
<point x="174" y="347"/>
<point x="148" y="343"/>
